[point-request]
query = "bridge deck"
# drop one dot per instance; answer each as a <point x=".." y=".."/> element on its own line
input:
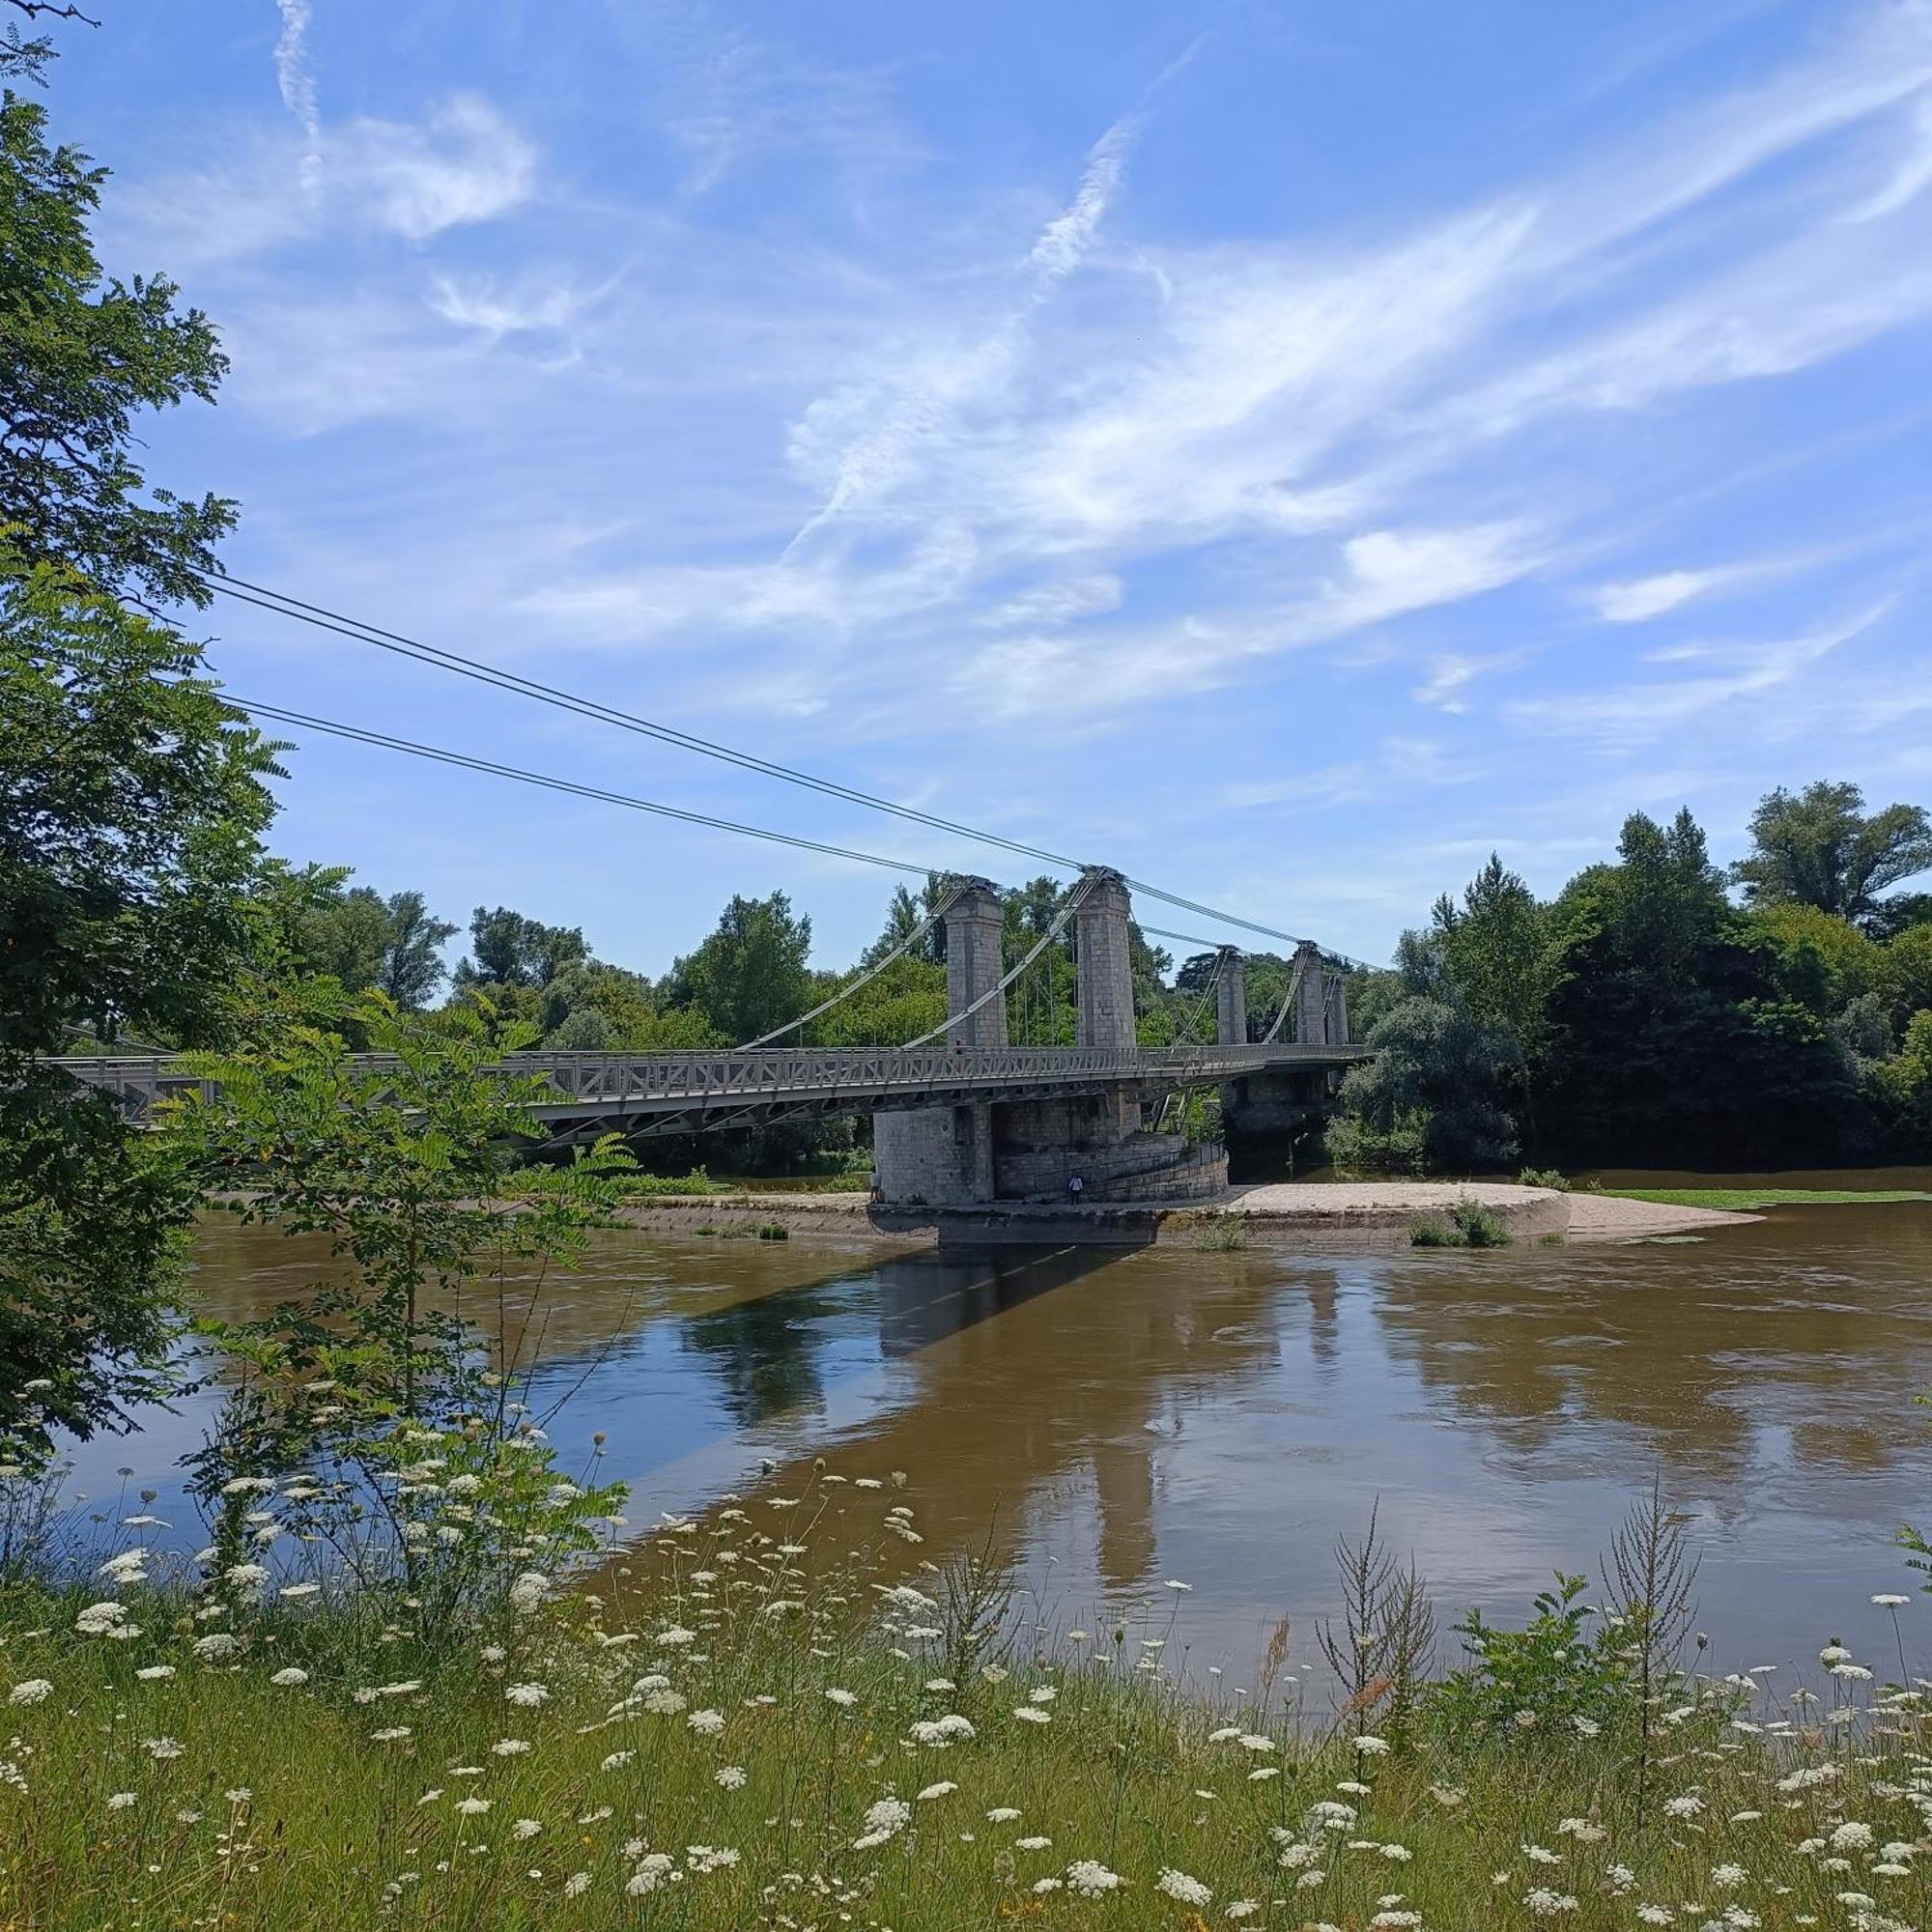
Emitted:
<point x="678" y="1093"/>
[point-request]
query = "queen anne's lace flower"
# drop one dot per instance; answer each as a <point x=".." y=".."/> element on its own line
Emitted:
<point x="1091" y="1879"/>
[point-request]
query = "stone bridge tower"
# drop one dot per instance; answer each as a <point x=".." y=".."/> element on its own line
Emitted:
<point x="943" y="1156"/>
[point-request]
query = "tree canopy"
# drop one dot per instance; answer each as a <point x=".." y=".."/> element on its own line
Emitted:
<point x="1821" y="848"/>
<point x="82" y="356"/>
<point x="750" y="976"/>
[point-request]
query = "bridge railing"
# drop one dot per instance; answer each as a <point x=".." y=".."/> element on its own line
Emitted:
<point x="631" y="1081"/>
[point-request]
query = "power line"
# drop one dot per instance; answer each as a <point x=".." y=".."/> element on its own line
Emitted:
<point x="281" y="604"/>
<point x="438" y="755"/>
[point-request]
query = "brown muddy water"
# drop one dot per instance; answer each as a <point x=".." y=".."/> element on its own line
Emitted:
<point x="1119" y="1419"/>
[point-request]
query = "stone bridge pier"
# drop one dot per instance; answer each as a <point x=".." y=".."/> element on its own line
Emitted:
<point x="966" y="1156"/>
<point x="1288" y="1101"/>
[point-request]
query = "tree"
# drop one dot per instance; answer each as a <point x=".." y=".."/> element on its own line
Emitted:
<point x="409" y="1173"/>
<point x="411" y="969"/>
<point x="1821" y="849"/>
<point x="1820" y="960"/>
<point x="512" y="950"/>
<point x="1672" y="1035"/>
<point x="1497" y="951"/>
<point x="750" y="975"/>
<point x="81" y="354"/>
<point x="1431" y="1097"/>
<point x="131" y="807"/>
<point x="905" y="913"/>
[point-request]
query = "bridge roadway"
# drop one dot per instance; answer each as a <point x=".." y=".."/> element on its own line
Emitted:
<point x="649" y="1094"/>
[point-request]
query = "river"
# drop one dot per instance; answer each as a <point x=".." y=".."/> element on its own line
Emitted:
<point x="1120" y="1419"/>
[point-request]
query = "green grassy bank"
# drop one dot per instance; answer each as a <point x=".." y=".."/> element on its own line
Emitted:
<point x="1741" y="1199"/>
<point x="785" y="1717"/>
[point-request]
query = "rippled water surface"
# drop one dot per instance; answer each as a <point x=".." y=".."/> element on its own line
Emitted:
<point x="1118" y="1419"/>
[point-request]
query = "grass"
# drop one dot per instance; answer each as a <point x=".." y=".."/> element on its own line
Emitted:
<point x="783" y="1717"/>
<point x="1739" y="1199"/>
<point x="1469" y="1224"/>
<point x="1221" y="1233"/>
<point x="672" y="1186"/>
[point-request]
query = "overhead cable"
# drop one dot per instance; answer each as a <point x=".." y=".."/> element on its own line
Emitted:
<point x="382" y="739"/>
<point x="281" y="604"/>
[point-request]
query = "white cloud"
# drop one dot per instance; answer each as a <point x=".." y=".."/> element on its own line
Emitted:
<point x="463" y="163"/>
<point x="1910" y="175"/>
<point x="1452" y="673"/>
<point x="293" y="75"/>
<point x="1061" y="601"/>
<point x="532" y="305"/>
<point x="1394" y="571"/>
<point x="1646" y="597"/>
<point x="466" y="163"/>
<point x="1635" y="713"/>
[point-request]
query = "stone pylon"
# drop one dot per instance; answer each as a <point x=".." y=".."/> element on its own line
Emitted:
<point x="1311" y="997"/>
<point x="1103" y="962"/>
<point x="1231" y="998"/>
<point x="976" y="925"/>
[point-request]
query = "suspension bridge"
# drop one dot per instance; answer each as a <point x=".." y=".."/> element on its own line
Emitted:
<point x="962" y="1116"/>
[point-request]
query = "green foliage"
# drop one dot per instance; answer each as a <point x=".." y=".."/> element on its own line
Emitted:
<point x="1498" y="952"/>
<point x="510" y="950"/>
<point x="408" y="1174"/>
<point x="1438" y="1076"/>
<point x="134" y="802"/>
<point x="1668" y="1033"/>
<point x="1818" y="959"/>
<point x="1533" y="1685"/>
<point x="1822" y="849"/>
<point x="82" y="358"/>
<point x="1904" y="1083"/>
<point x="750" y="976"/>
<point x="1468" y="1224"/>
<point x="133" y="805"/>
<point x="1552" y="1177"/>
<point x="1365" y="1142"/>
<point x="1221" y="1233"/>
<point x="906" y="1001"/>
<point x="672" y="1186"/>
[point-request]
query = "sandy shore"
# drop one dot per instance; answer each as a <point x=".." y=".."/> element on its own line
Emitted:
<point x="1374" y="1212"/>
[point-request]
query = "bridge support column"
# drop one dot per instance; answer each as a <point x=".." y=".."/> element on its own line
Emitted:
<point x="943" y="1156"/>
<point x="976" y="928"/>
<point x="1231" y="1017"/>
<point x="1310" y="1003"/>
<point x="1103" y="970"/>
<point x="1231" y="998"/>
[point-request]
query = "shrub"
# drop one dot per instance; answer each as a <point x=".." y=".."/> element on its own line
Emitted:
<point x="1544" y="1177"/>
<point x="1480" y="1227"/>
<point x="1536" y="1683"/>
<point x="696" y="1182"/>
<point x="1223" y="1234"/>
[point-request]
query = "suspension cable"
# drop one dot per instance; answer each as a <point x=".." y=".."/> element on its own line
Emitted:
<point x="898" y="951"/>
<point x="1287" y="1001"/>
<point x="281" y="604"/>
<point x="356" y="734"/>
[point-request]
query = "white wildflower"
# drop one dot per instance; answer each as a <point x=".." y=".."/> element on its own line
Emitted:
<point x="1179" y="1885"/>
<point x="1091" y="1879"/>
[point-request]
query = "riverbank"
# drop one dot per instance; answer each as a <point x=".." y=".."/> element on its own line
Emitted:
<point x="766" y="1725"/>
<point x="1374" y="1213"/>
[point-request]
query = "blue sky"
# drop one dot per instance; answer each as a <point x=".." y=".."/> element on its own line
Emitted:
<point x="1282" y="450"/>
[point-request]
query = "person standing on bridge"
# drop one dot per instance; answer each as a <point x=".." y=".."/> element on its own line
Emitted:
<point x="1076" y="1186"/>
